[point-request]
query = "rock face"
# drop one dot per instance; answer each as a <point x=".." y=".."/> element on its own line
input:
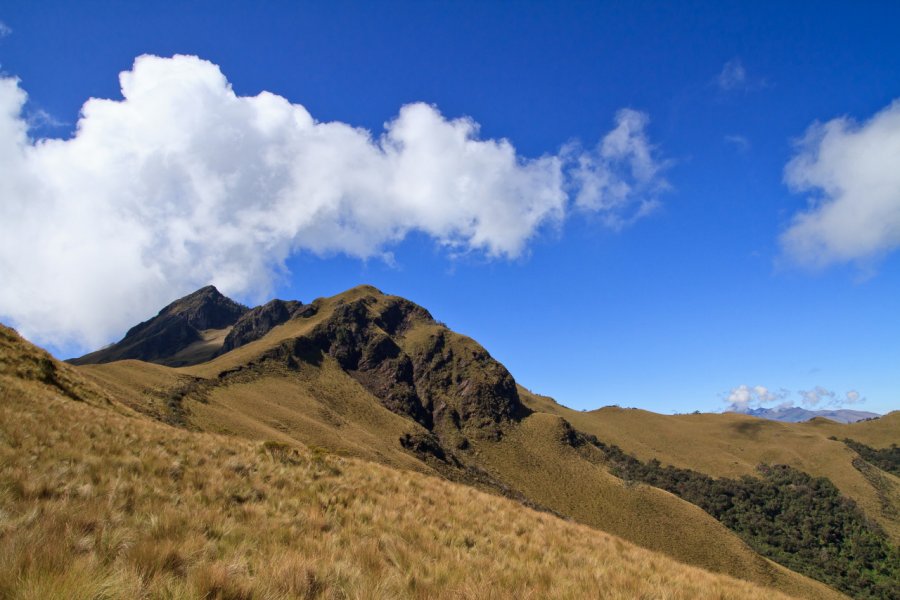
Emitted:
<point x="176" y="327"/>
<point x="257" y="322"/>
<point x="445" y="382"/>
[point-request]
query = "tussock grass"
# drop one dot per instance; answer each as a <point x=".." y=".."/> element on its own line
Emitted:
<point x="318" y="403"/>
<point x="99" y="504"/>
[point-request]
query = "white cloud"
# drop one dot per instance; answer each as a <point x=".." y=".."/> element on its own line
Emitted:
<point x="41" y="119"/>
<point x="5" y="30"/>
<point x="622" y="177"/>
<point x="744" y="398"/>
<point x="741" y="143"/>
<point x="816" y="396"/>
<point x="853" y="397"/>
<point x="853" y="173"/>
<point x="183" y="183"/>
<point x="733" y="76"/>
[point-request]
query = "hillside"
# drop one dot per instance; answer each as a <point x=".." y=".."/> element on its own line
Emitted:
<point x="102" y="502"/>
<point x="372" y="376"/>
<point x="733" y="445"/>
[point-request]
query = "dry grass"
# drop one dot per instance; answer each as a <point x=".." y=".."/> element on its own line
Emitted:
<point x="324" y="406"/>
<point x="533" y="459"/>
<point x="878" y="433"/>
<point x="96" y="504"/>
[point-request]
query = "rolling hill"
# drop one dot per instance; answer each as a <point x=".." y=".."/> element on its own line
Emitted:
<point x="375" y="377"/>
<point x="733" y="445"/>
<point x="102" y="501"/>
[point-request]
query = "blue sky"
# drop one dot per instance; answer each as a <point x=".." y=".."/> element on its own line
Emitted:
<point x="596" y="303"/>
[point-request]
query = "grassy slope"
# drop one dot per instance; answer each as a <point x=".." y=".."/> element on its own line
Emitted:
<point x="879" y="433"/>
<point x="203" y="349"/>
<point x="99" y="501"/>
<point x="731" y="445"/>
<point x="323" y="406"/>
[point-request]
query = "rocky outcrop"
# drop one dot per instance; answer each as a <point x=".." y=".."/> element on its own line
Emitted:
<point x="464" y="387"/>
<point x="448" y="383"/>
<point x="257" y="322"/>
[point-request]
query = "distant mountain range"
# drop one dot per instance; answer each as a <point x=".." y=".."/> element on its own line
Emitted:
<point x="799" y="415"/>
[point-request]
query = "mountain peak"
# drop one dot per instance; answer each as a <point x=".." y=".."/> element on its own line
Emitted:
<point x="207" y="308"/>
<point x="182" y="324"/>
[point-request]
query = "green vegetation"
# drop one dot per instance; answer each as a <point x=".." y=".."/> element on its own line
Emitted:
<point x="886" y="459"/>
<point x="799" y="521"/>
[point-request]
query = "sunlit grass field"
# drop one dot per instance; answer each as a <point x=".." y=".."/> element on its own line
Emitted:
<point x="100" y="502"/>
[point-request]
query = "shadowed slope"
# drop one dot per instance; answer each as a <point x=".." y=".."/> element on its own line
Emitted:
<point x="187" y="331"/>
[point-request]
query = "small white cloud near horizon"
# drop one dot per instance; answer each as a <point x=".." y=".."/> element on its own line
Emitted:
<point x="853" y="397"/>
<point x="851" y="172"/>
<point x="182" y="183"/>
<point x="745" y="398"/>
<point x="816" y="396"/>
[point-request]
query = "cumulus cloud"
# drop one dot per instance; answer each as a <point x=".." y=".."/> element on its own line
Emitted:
<point x="745" y="398"/>
<point x="182" y="183"/>
<point x="852" y="172"/>
<point x="5" y="30"/>
<point x="817" y="396"/>
<point x="621" y="178"/>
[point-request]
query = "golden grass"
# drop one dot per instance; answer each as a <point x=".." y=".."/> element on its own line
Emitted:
<point x="319" y="406"/>
<point x="732" y="445"/>
<point x="533" y="459"/>
<point x="324" y="406"/>
<point x="98" y="504"/>
<point x="879" y="433"/>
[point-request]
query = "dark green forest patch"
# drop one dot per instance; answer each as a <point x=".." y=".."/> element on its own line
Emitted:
<point x="886" y="459"/>
<point x="799" y="521"/>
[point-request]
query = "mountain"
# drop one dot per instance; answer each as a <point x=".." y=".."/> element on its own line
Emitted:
<point x="100" y="501"/>
<point x="376" y="377"/>
<point x="799" y="415"/>
<point x="187" y="331"/>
